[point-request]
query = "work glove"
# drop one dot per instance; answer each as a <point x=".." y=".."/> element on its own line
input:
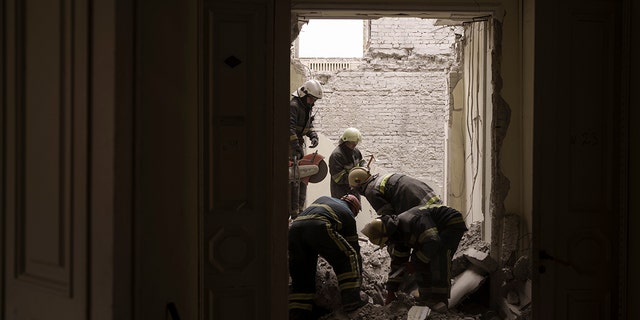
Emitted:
<point x="391" y="296"/>
<point x="386" y="218"/>
<point x="314" y="142"/>
<point x="296" y="151"/>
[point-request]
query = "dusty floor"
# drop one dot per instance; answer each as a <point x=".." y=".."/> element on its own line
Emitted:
<point x="375" y="270"/>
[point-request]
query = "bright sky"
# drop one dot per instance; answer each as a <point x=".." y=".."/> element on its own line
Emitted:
<point x="323" y="38"/>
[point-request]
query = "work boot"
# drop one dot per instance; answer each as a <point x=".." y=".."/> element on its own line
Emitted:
<point x="440" y="306"/>
<point x="294" y="212"/>
<point x="352" y="306"/>
<point x="319" y="312"/>
<point x="299" y="314"/>
<point x="352" y="300"/>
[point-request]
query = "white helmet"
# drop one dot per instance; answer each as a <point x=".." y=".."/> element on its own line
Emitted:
<point x="351" y="134"/>
<point x="310" y="87"/>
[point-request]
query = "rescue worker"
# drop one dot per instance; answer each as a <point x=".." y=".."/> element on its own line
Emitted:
<point x="344" y="157"/>
<point x="327" y="228"/>
<point x="301" y="125"/>
<point x="429" y="235"/>
<point x="392" y="193"/>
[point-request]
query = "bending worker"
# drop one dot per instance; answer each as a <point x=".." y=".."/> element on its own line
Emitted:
<point x="300" y="125"/>
<point x="432" y="234"/>
<point x="391" y="193"/>
<point x="344" y="157"/>
<point x="327" y="228"/>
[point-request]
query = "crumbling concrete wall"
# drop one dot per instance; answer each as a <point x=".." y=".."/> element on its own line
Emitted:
<point x="398" y="97"/>
<point x="413" y="38"/>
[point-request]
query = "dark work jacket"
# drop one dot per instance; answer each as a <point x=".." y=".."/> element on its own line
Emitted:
<point x="300" y="121"/>
<point x="342" y="160"/>
<point x="420" y="233"/>
<point x="337" y="213"/>
<point x="422" y="224"/>
<point x="396" y="193"/>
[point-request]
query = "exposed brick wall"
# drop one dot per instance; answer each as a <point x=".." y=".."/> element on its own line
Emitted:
<point x="398" y="97"/>
<point x="411" y="35"/>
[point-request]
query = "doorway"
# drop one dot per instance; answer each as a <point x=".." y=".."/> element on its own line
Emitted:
<point x="476" y="124"/>
<point x="440" y="109"/>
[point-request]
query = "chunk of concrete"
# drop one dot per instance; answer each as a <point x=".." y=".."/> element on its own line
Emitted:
<point x="510" y="236"/>
<point x="522" y="268"/>
<point x="464" y="284"/>
<point x="482" y="260"/>
<point x="524" y="293"/>
<point x="418" y="313"/>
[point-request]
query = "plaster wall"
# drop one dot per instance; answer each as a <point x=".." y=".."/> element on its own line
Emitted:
<point x="515" y="71"/>
<point x="398" y="98"/>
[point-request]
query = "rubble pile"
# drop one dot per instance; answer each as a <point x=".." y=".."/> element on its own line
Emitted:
<point x="471" y="266"/>
<point x="515" y="276"/>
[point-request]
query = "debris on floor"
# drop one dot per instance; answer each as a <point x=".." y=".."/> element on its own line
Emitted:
<point x="418" y="313"/>
<point x="515" y="275"/>
<point x="471" y="266"/>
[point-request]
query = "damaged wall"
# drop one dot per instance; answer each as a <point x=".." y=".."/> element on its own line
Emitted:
<point x="398" y="97"/>
<point x="410" y="87"/>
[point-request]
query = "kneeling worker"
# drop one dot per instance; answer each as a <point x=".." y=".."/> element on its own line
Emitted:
<point x="431" y="232"/>
<point x="326" y="228"/>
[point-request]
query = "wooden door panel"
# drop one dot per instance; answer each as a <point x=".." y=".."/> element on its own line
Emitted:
<point x="577" y="179"/>
<point x="235" y="212"/>
<point x="46" y="166"/>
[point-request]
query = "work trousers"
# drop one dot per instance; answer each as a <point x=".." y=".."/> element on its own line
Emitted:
<point x="309" y="239"/>
<point x="433" y="266"/>
<point x="298" y="197"/>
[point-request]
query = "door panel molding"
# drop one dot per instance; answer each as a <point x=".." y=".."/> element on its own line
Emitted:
<point x="46" y="159"/>
<point x="234" y="204"/>
<point x="577" y="190"/>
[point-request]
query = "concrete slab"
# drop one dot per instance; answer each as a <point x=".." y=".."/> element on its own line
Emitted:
<point x="466" y="283"/>
<point x="482" y="260"/>
<point x="418" y="313"/>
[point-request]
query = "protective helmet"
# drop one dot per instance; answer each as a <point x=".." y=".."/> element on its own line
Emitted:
<point x="358" y="175"/>
<point x="376" y="232"/>
<point x="351" y="134"/>
<point x="310" y="87"/>
<point x="353" y="202"/>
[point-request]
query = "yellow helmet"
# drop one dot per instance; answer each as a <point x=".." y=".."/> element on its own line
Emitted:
<point x="352" y="135"/>
<point x="376" y="232"/>
<point x="358" y="176"/>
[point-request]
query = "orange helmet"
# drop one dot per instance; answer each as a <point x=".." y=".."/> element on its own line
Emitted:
<point x="353" y="202"/>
